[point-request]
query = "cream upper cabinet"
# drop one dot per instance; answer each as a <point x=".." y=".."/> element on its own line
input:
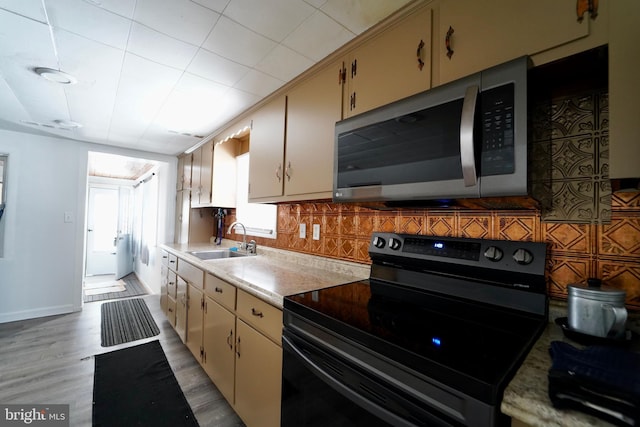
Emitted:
<point x="624" y="89"/>
<point x="392" y="65"/>
<point x="266" y="165"/>
<point x="201" y="175"/>
<point x="184" y="172"/>
<point x="483" y="33"/>
<point x="223" y="177"/>
<point x="181" y="234"/>
<point x="313" y="108"/>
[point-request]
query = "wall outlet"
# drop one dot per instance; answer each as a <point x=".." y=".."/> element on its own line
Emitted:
<point x="316" y="231"/>
<point x="303" y="230"/>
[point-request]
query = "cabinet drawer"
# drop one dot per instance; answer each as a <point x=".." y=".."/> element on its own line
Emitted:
<point x="171" y="284"/>
<point x="261" y="315"/>
<point x="164" y="255"/>
<point x="173" y="262"/>
<point x="220" y="291"/>
<point x="171" y="311"/>
<point x="191" y="274"/>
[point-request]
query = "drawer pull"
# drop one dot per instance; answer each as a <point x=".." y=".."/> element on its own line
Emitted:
<point x="172" y="283"/>
<point x="172" y="261"/>
<point x="257" y="313"/>
<point x="170" y="310"/>
<point x="218" y="290"/>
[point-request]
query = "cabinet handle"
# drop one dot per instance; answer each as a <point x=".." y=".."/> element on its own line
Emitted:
<point x="278" y="172"/>
<point x="218" y="290"/>
<point x="287" y="171"/>
<point x="170" y="310"/>
<point x="172" y="261"/>
<point x="354" y="68"/>
<point x="238" y="348"/>
<point x="230" y="340"/>
<point x="257" y="313"/>
<point x="447" y="42"/>
<point x="419" y="55"/>
<point x="342" y="74"/>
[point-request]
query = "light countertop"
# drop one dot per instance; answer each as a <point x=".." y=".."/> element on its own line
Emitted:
<point x="526" y="398"/>
<point x="273" y="274"/>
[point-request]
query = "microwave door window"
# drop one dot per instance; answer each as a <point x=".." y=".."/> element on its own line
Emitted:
<point x="423" y="146"/>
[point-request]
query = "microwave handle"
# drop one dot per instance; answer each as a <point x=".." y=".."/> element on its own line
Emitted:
<point x="467" y="149"/>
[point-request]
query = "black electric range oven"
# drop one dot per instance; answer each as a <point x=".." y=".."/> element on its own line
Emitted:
<point x="432" y="338"/>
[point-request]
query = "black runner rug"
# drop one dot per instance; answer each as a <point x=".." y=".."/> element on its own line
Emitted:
<point x="126" y="320"/>
<point x="135" y="386"/>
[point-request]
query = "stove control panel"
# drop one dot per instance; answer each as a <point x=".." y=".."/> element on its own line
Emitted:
<point x="496" y="254"/>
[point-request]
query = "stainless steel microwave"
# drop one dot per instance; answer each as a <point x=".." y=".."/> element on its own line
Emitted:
<point x="464" y="139"/>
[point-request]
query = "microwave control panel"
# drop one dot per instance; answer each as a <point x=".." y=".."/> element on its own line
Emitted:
<point x="498" y="131"/>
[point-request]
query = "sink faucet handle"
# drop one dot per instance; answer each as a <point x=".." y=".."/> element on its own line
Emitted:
<point x="252" y="246"/>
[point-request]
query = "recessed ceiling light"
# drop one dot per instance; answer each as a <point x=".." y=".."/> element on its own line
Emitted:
<point x="67" y="124"/>
<point x="56" y="76"/>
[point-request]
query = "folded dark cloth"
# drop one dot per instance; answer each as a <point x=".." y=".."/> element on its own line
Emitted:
<point x="602" y="381"/>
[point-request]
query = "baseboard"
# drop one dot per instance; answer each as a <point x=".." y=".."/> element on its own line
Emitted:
<point x="35" y="313"/>
<point x="144" y="284"/>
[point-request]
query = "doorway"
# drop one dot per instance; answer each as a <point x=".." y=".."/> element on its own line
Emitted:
<point x="111" y="214"/>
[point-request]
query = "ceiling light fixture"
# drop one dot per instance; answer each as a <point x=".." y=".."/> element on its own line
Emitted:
<point x="67" y="124"/>
<point x="56" y="76"/>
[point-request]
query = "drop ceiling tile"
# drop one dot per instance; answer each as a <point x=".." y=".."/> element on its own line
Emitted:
<point x="181" y="19"/>
<point x="237" y="43"/>
<point x="318" y="37"/>
<point x="24" y="41"/>
<point x="316" y="3"/>
<point x="89" y="21"/>
<point x="258" y="83"/>
<point x="359" y="15"/>
<point x="274" y="19"/>
<point x="119" y="7"/>
<point x="216" y="68"/>
<point x="217" y="5"/>
<point x="284" y="63"/>
<point x="29" y="8"/>
<point x="159" y="47"/>
<point x="10" y="106"/>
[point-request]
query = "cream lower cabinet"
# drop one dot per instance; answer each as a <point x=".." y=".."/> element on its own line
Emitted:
<point x="218" y="344"/>
<point x="258" y="377"/>
<point x="195" y="316"/>
<point x="180" y="324"/>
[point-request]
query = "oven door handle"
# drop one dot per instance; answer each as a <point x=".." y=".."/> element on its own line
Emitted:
<point x="347" y="392"/>
<point x="467" y="144"/>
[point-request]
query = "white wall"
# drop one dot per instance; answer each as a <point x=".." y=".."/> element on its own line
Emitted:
<point x="42" y="268"/>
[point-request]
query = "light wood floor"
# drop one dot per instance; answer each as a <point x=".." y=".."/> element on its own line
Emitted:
<point x="50" y="361"/>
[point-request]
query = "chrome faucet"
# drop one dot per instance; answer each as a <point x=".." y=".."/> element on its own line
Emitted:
<point x="251" y="246"/>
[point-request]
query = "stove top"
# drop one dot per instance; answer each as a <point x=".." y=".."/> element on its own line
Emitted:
<point x="454" y="316"/>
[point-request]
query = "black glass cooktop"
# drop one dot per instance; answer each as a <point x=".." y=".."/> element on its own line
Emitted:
<point x="476" y="346"/>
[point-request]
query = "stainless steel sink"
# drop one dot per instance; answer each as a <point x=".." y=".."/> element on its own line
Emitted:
<point x="217" y="254"/>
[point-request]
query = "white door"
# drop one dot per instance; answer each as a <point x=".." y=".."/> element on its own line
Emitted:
<point x="102" y="231"/>
<point x="124" y="256"/>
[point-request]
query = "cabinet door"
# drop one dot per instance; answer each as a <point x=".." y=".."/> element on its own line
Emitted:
<point x="194" y="320"/>
<point x="386" y="68"/>
<point x="218" y="342"/>
<point x="182" y="217"/>
<point x="266" y="169"/>
<point x="196" y="185"/>
<point x="164" y="281"/>
<point x="206" y="174"/>
<point x="624" y="89"/>
<point x="258" y="378"/>
<point x="184" y="171"/>
<point x="180" y="177"/>
<point x="181" y="309"/>
<point x="223" y="185"/>
<point x="313" y="108"/>
<point x="489" y="32"/>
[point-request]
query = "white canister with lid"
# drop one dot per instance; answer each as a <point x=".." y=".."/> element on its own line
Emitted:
<point x="597" y="310"/>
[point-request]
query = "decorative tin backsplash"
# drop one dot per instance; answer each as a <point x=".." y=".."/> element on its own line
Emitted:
<point x="575" y="251"/>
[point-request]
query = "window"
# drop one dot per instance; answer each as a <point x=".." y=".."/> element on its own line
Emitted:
<point x="259" y="219"/>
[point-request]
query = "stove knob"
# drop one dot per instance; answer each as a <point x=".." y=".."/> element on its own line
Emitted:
<point x="394" y="244"/>
<point x="378" y="242"/>
<point x="522" y="256"/>
<point x="493" y="253"/>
